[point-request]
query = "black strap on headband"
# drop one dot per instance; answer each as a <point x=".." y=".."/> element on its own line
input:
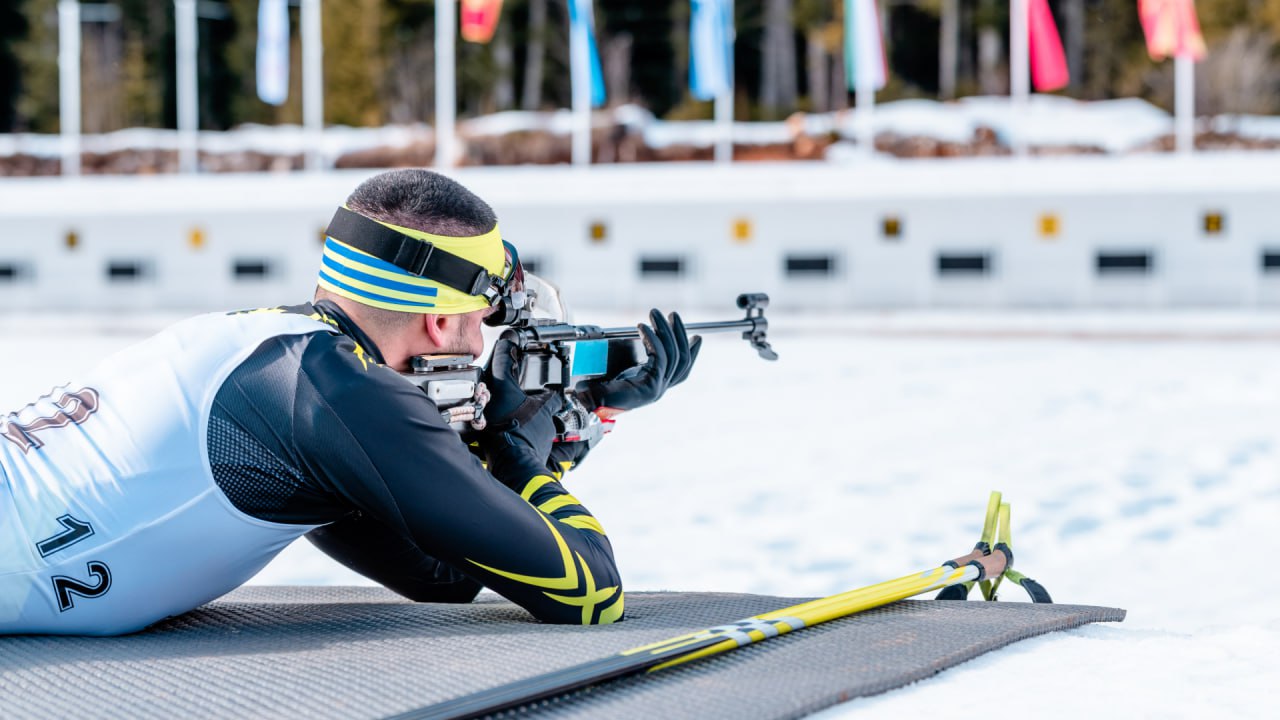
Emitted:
<point x="417" y="257"/>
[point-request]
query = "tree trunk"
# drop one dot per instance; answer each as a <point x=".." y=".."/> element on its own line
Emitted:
<point x="949" y="49"/>
<point x="617" y="68"/>
<point x="818" y="64"/>
<point x="991" y="19"/>
<point x="531" y="97"/>
<point x="100" y="78"/>
<point x="839" y="83"/>
<point x="1073" y="21"/>
<point x="778" y="70"/>
<point x="990" y="58"/>
<point x="504" y="90"/>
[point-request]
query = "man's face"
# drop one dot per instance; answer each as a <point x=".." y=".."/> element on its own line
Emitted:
<point x="465" y="337"/>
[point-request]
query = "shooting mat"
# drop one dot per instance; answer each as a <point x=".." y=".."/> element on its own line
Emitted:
<point x="357" y="652"/>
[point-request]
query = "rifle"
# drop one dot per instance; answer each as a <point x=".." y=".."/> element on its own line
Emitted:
<point x="557" y="356"/>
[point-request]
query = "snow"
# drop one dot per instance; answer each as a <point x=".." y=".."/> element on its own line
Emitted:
<point x="277" y="139"/>
<point x="1140" y="453"/>
<point x="1115" y="125"/>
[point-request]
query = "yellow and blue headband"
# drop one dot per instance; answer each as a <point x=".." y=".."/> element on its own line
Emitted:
<point x="406" y="270"/>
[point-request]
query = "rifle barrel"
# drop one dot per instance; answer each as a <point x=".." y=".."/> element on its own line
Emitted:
<point x="754" y="327"/>
<point x="705" y="327"/>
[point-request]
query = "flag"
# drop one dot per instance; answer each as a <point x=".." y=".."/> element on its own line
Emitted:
<point x="582" y="19"/>
<point x="863" y="46"/>
<point x="1048" y="62"/>
<point x="273" y="51"/>
<point x="710" y="49"/>
<point x="480" y="19"/>
<point x="1172" y="29"/>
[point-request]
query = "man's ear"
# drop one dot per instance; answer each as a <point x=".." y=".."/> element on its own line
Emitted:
<point x="437" y="328"/>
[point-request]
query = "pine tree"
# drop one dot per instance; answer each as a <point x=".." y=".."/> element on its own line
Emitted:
<point x="353" y="62"/>
<point x="37" y="55"/>
<point x="13" y="26"/>
<point x="778" y="79"/>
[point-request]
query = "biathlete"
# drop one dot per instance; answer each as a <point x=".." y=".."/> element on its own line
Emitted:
<point x="174" y="470"/>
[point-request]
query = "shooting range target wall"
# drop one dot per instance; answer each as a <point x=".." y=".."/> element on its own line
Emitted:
<point x="1153" y="231"/>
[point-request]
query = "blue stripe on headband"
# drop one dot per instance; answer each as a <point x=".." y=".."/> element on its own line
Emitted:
<point x="384" y="283"/>
<point x="371" y="296"/>
<point x="348" y="253"/>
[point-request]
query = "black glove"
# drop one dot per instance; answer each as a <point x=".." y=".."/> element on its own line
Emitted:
<point x="520" y="427"/>
<point x="508" y="402"/>
<point x="671" y="357"/>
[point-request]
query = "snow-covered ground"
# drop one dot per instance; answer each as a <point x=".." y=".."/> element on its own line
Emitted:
<point x="1140" y="452"/>
<point x="1116" y="126"/>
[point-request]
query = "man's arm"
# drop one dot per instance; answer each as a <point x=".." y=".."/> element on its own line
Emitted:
<point x="378" y="441"/>
<point x="393" y="560"/>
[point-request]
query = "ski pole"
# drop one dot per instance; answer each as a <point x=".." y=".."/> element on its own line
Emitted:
<point x="708" y="642"/>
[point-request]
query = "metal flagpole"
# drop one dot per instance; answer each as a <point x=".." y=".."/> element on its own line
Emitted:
<point x="1019" y="73"/>
<point x="446" y="78"/>
<point x="724" y="102"/>
<point x="865" y="74"/>
<point x="1184" y="110"/>
<point x="580" y="72"/>
<point x="188" y="93"/>
<point x="69" y="84"/>
<point x="313" y="83"/>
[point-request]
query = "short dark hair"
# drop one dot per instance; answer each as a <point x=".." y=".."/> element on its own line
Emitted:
<point x="423" y="200"/>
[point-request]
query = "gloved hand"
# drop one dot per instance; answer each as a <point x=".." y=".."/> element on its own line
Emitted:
<point x="566" y="456"/>
<point x="671" y="357"/>
<point x="507" y="400"/>
<point x="520" y="428"/>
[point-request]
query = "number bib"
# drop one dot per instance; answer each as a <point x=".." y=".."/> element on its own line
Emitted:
<point x="110" y="518"/>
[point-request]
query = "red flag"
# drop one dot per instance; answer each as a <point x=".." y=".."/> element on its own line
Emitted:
<point x="1172" y="29"/>
<point x="1048" y="62"/>
<point x="479" y="19"/>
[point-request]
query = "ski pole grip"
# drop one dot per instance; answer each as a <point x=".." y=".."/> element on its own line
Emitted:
<point x="977" y="553"/>
<point x="992" y="566"/>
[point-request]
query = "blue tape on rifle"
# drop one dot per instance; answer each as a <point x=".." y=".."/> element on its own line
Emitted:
<point x="590" y="358"/>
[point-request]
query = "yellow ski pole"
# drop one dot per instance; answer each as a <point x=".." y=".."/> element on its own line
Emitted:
<point x="713" y="640"/>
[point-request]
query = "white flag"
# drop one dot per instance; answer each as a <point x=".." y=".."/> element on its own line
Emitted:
<point x="273" y="51"/>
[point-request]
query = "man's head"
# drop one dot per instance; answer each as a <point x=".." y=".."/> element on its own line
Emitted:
<point x="404" y="314"/>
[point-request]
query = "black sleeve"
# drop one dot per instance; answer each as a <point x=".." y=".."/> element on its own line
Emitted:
<point x="375" y="551"/>
<point x="377" y="441"/>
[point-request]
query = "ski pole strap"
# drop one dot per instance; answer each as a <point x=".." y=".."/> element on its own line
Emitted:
<point x="1034" y="589"/>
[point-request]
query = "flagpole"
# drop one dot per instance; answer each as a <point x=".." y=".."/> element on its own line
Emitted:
<point x="865" y="78"/>
<point x="1019" y="74"/>
<point x="1184" y="117"/>
<point x="313" y="83"/>
<point x="580" y="72"/>
<point x="446" y="78"/>
<point x="724" y="101"/>
<point x="69" y="84"/>
<point x="188" y="84"/>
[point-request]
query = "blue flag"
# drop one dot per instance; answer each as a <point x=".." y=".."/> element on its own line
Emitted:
<point x="582" y="19"/>
<point x="711" y="48"/>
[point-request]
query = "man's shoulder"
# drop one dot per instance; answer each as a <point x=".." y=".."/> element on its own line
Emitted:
<point x="303" y="315"/>
<point x="339" y="363"/>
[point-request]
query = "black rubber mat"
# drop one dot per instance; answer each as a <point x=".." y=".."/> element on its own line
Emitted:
<point x="342" y="652"/>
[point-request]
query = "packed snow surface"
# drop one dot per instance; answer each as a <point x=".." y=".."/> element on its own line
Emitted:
<point x="1140" y="453"/>
<point x="1116" y="126"/>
